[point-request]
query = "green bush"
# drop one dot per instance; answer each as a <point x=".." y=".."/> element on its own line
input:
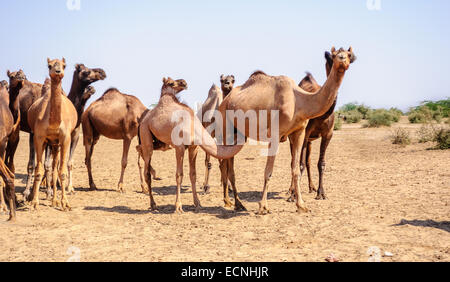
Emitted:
<point x="420" y="115"/>
<point x="401" y="137"/>
<point x="349" y="107"/>
<point x="396" y="113"/>
<point x="364" y="111"/>
<point x="443" y="106"/>
<point x="442" y="137"/>
<point x="353" y="116"/>
<point x="382" y="117"/>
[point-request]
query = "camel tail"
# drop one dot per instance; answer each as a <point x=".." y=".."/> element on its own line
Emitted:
<point x="208" y="144"/>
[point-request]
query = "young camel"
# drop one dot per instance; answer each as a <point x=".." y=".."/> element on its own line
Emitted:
<point x="116" y="116"/>
<point x="295" y="107"/>
<point x="212" y="103"/>
<point x="52" y="119"/>
<point x="162" y="122"/>
<point x="7" y="129"/>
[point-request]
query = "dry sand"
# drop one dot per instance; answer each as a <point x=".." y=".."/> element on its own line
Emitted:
<point x="380" y="195"/>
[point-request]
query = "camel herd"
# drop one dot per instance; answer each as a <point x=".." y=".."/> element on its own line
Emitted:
<point x="304" y="113"/>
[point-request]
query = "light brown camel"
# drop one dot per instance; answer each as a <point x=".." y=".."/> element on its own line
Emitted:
<point x="7" y="129"/>
<point x="320" y="127"/>
<point x="293" y="107"/>
<point x="52" y="119"/>
<point x="163" y="123"/>
<point x="212" y="103"/>
<point x="116" y="116"/>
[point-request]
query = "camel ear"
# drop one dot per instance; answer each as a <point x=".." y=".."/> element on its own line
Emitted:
<point x="333" y="52"/>
<point x="222" y="77"/>
<point x="8" y="73"/>
<point x="164" y="80"/>
<point x="48" y="61"/>
<point x="351" y="55"/>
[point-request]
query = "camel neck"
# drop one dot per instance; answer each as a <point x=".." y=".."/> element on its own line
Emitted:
<point x="76" y="96"/>
<point x="55" y="103"/>
<point x="314" y="105"/>
<point x="13" y="96"/>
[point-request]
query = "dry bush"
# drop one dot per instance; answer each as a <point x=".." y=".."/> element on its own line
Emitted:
<point x="442" y="138"/>
<point x="401" y="136"/>
<point x="426" y="133"/>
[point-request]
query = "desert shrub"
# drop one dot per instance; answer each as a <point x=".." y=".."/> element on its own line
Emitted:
<point x="396" y="114"/>
<point x="382" y="117"/>
<point x="352" y="116"/>
<point x="442" y="137"/>
<point x="420" y="115"/>
<point x="349" y="107"/>
<point x="442" y="106"/>
<point x="426" y="133"/>
<point x="401" y="137"/>
<point x="364" y="110"/>
<point x="337" y="122"/>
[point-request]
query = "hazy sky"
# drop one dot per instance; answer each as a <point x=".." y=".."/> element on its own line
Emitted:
<point x="403" y="49"/>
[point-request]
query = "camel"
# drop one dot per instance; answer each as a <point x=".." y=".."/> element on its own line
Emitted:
<point x="320" y="127"/>
<point x="116" y="116"/>
<point x="25" y="93"/>
<point x="161" y="123"/>
<point x="293" y="106"/>
<point x="212" y="103"/>
<point x="52" y="119"/>
<point x="7" y="129"/>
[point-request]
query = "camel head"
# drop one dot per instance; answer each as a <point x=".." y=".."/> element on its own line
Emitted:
<point x="227" y="83"/>
<point x="56" y="68"/>
<point x="88" y="92"/>
<point x="16" y="78"/>
<point x="4" y="84"/>
<point x="87" y="75"/>
<point x="174" y="87"/>
<point x="341" y="59"/>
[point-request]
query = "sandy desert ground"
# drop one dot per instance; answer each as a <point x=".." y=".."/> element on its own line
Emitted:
<point x="380" y="195"/>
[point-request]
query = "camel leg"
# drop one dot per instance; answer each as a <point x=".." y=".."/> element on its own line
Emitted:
<point x="8" y="178"/>
<point x="298" y="144"/>
<point x="63" y="172"/>
<point x="312" y="188"/>
<point x="39" y="144"/>
<point x="193" y="151"/>
<point x="54" y="155"/>
<point x="206" y="188"/>
<point x="126" y="148"/>
<point x="3" y="207"/>
<point x="89" y="150"/>
<point x="238" y="206"/>
<point x="141" y="175"/>
<point x="146" y="152"/>
<point x="48" y="170"/>
<point x="179" y="176"/>
<point x="291" y="187"/>
<point x="263" y="207"/>
<point x="321" y="166"/>
<point x="31" y="167"/>
<point x="11" y="148"/>
<point x="73" y="146"/>
<point x="224" y="179"/>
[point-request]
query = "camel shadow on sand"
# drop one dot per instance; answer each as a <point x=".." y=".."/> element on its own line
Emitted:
<point x="219" y="212"/>
<point x="443" y="225"/>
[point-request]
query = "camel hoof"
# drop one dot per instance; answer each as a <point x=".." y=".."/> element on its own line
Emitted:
<point x="65" y="205"/>
<point x="157" y="178"/>
<point x="3" y="209"/>
<point x="93" y="187"/>
<point x="228" y="204"/>
<point x="153" y="207"/>
<point x="302" y="210"/>
<point x="312" y="189"/>
<point x="263" y="209"/>
<point x="178" y="209"/>
<point x="321" y="197"/>
<point x="12" y="219"/>
<point x="198" y="208"/>
<point x="291" y="199"/>
<point x="55" y="203"/>
<point x="26" y="194"/>
<point x="206" y="189"/>
<point x="34" y="205"/>
<point x="239" y="207"/>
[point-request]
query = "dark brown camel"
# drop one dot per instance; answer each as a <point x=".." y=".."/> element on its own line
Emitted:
<point x="212" y="103"/>
<point x="116" y="116"/>
<point x="7" y="129"/>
